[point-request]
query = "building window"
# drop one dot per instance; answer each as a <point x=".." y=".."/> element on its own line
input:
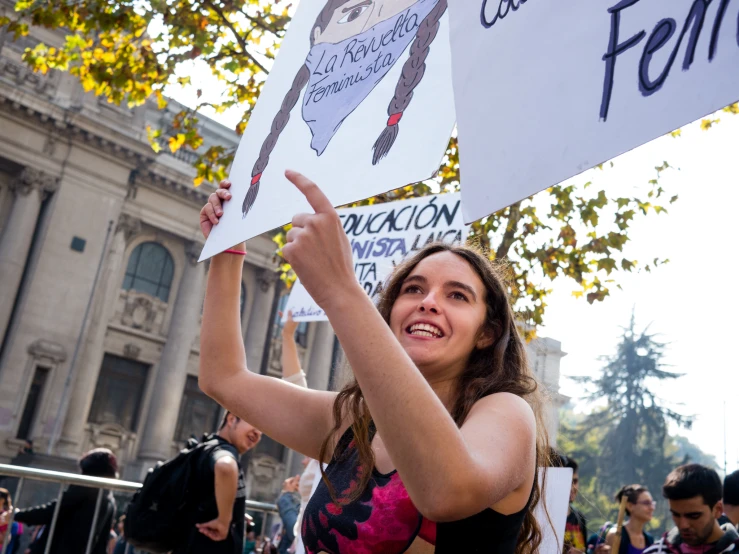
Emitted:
<point x="119" y="391"/>
<point x="30" y="410"/>
<point x="150" y="270"/>
<point x="301" y="334"/>
<point x="198" y="413"/>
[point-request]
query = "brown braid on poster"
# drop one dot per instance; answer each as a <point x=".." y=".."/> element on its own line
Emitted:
<point x="412" y="73"/>
<point x="283" y="116"/>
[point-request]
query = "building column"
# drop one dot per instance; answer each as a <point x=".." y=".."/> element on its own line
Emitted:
<point x="29" y="188"/>
<point x="319" y="365"/>
<point x="169" y="381"/>
<point x="93" y="350"/>
<point x="260" y="318"/>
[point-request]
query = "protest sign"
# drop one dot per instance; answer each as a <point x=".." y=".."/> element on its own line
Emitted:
<point x="557" y="501"/>
<point x="382" y="235"/>
<point x="545" y="90"/>
<point x="359" y="100"/>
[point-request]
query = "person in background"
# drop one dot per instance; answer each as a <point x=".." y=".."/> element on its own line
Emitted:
<point x="113" y="539"/>
<point x="268" y="547"/>
<point x="250" y="542"/>
<point x="576" y="528"/>
<point x="289" y="507"/>
<point x="309" y="480"/>
<point x="639" y="508"/>
<point x="291" y="370"/>
<point x="694" y="494"/>
<point x="36" y="532"/>
<point x="6" y="506"/>
<point x="731" y="500"/>
<point x="222" y="505"/>
<point x="121" y="544"/>
<point x="292" y="373"/>
<point x="77" y="511"/>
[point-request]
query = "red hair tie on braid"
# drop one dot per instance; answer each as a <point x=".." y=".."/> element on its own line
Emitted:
<point x="256" y="178"/>
<point x="394" y="119"/>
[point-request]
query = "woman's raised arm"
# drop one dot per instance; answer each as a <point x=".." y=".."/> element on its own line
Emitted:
<point x="297" y="417"/>
<point x="291" y="370"/>
<point x="449" y="472"/>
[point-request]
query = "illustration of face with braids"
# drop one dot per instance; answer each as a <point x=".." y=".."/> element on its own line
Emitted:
<point x="354" y="44"/>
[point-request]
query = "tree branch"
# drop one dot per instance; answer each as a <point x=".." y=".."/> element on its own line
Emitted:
<point x="261" y="24"/>
<point x="514" y="217"/>
<point x="236" y="35"/>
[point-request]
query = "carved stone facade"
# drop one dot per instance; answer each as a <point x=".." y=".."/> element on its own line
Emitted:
<point x="111" y="361"/>
<point x="141" y="311"/>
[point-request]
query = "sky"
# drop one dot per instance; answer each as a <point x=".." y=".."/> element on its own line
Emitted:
<point x="690" y="302"/>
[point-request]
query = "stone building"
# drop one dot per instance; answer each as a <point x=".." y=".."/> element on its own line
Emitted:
<point x="100" y="292"/>
<point x="545" y="355"/>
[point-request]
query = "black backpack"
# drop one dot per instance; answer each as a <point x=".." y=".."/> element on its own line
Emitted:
<point x="161" y="513"/>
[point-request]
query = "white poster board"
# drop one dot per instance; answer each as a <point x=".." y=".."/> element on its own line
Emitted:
<point x="382" y="235"/>
<point x="557" y="502"/>
<point x="359" y="100"/>
<point x="545" y="90"/>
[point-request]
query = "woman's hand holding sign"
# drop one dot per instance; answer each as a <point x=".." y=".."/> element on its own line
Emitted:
<point x="213" y="210"/>
<point x="318" y="249"/>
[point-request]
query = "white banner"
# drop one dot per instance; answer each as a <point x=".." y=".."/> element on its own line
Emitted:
<point x="546" y="89"/>
<point x="557" y="502"/>
<point x="359" y="100"/>
<point x="382" y="235"/>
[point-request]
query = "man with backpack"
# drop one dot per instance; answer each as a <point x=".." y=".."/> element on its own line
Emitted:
<point x="219" y="527"/>
<point x="195" y="503"/>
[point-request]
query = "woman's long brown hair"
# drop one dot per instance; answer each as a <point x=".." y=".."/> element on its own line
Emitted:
<point x="501" y="367"/>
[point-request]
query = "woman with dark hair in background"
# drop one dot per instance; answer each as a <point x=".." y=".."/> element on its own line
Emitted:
<point x="639" y="509"/>
<point x="435" y="445"/>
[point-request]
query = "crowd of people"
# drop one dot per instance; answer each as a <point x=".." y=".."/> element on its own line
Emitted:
<point x="704" y="513"/>
<point x="433" y="447"/>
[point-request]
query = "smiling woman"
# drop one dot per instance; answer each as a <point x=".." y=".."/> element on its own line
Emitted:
<point x="434" y="447"/>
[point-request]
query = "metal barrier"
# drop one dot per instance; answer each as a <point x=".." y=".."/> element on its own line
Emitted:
<point x="102" y="484"/>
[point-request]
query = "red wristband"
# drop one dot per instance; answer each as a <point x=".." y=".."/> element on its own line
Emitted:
<point x="234" y="251"/>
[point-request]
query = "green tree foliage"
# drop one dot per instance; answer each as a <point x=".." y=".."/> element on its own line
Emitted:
<point x="627" y="440"/>
<point x="636" y="418"/>
<point x="593" y="500"/>
<point x="687" y="453"/>
<point x="129" y="51"/>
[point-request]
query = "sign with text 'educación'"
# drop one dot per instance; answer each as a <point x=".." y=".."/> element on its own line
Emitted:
<point x="382" y="235"/>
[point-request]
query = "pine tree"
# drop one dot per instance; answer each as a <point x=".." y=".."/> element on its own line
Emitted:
<point x="636" y="443"/>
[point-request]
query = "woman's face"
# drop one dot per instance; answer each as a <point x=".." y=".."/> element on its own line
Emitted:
<point x="439" y="314"/>
<point x="643" y="508"/>
<point x="356" y="16"/>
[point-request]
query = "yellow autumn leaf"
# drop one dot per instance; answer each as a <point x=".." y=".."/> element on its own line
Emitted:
<point x="161" y="101"/>
<point x="176" y="142"/>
